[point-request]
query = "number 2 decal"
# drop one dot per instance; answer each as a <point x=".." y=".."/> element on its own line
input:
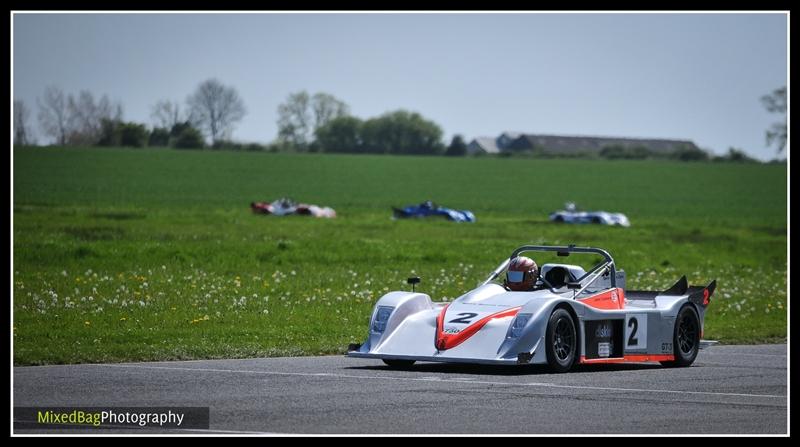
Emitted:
<point x="636" y="331"/>
<point x="465" y="317"/>
<point x="634" y="324"/>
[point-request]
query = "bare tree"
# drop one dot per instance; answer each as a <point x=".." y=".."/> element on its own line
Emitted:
<point x="167" y="114"/>
<point x="326" y="108"/>
<point x="215" y="108"/>
<point x="300" y="116"/>
<point x="294" y="120"/>
<point x="23" y="135"/>
<point x="86" y="117"/>
<point x="53" y="115"/>
<point x="776" y="103"/>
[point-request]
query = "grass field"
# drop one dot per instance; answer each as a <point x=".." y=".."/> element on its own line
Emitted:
<point x="154" y="254"/>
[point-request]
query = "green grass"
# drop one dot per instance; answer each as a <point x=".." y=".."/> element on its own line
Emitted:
<point x="154" y="254"/>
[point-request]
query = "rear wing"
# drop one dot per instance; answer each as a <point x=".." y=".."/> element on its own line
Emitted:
<point x="700" y="295"/>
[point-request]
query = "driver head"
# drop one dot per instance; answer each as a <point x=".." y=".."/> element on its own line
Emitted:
<point x="521" y="274"/>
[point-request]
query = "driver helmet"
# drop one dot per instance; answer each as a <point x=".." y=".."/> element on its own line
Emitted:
<point x="521" y="274"/>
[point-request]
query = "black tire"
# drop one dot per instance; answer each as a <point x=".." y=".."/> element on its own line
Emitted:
<point x="561" y="341"/>
<point x="395" y="363"/>
<point x="559" y="219"/>
<point x="597" y="220"/>
<point x="685" y="337"/>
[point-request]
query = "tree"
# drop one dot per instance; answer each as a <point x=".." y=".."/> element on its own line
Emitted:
<point x="326" y="108"/>
<point x="302" y="115"/>
<point x="689" y="153"/>
<point x="215" y="108"/>
<point x="133" y="135"/>
<point x="159" y="137"/>
<point x="166" y="114"/>
<point x="184" y="136"/>
<point x="402" y="132"/>
<point x="342" y="134"/>
<point x="109" y="134"/>
<point x="736" y="155"/>
<point x="23" y="136"/>
<point x="457" y="147"/>
<point x="116" y="133"/>
<point x="53" y="115"/>
<point x="294" y="119"/>
<point x="776" y="103"/>
<point x="189" y="138"/>
<point x="86" y="117"/>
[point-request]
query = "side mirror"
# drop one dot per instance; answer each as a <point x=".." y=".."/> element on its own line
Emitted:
<point x="414" y="280"/>
<point x="562" y="253"/>
<point x="573" y="285"/>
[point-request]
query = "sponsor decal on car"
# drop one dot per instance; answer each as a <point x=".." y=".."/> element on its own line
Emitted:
<point x="603" y="331"/>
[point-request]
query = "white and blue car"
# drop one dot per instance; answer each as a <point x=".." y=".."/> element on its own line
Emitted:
<point x="571" y="214"/>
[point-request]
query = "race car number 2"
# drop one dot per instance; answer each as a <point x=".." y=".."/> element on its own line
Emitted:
<point x="464" y="318"/>
<point x="636" y="331"/>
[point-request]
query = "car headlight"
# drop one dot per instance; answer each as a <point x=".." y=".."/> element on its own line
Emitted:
<point x="381" y="317"/>
<point x="518" y="325"/>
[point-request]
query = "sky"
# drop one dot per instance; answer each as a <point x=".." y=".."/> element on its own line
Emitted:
<point x="695" y="76"/>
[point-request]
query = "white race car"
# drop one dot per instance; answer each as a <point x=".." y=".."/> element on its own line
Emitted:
<point x="285" y="207"/>
<point x="571" y="215"/>
<point x="571" y="316"/>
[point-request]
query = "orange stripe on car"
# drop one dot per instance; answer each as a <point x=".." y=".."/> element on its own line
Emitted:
<point x="611" y="299"/>
<point x="631" y="358"/>
<point x="449" y="341"/>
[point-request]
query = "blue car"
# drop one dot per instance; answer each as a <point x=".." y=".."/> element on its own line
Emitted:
<point x="429" y="208"/>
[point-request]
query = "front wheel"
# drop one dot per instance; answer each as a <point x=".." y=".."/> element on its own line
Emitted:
<point x="685" y="338"/>
<point x="395" y="363"/>
<point x="561" y="341"/>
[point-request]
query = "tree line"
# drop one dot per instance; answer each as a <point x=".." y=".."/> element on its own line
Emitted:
<point x="83" y="120"/>
<point x="306" y="123"/>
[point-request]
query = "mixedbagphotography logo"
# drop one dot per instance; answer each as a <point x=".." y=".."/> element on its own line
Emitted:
<point x="111" y="417"/>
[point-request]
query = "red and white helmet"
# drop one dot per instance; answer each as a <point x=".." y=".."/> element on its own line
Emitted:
<point x="521" y="274"/>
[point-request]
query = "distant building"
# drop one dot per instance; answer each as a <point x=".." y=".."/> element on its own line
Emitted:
<point x="506" y="138"/>
<point x="576" y="145"/>
<point x="490" y="145"/>
<point x="483" y="145"/>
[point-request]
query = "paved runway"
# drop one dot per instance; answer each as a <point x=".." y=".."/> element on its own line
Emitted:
<point x="729" y="389"/>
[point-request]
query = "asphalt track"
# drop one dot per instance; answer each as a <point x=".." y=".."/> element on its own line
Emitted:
<point x="729" y="389"/>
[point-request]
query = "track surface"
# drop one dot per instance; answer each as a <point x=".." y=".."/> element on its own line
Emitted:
<point x="729" y="389"/>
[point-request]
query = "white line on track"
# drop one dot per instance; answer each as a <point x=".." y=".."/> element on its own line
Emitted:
<point x="436" y="379"/>
<point x="733" y="354"/>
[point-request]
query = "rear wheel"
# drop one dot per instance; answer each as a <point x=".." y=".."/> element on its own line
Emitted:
<point x="685" y="338"/>
<point x="561" y="341"/>
<point x="395" y="363"/>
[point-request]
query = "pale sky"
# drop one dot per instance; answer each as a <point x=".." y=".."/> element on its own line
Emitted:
<point x="653" y="75"/>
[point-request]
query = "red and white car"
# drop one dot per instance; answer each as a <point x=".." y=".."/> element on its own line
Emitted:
<point x="285" y="206"/>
